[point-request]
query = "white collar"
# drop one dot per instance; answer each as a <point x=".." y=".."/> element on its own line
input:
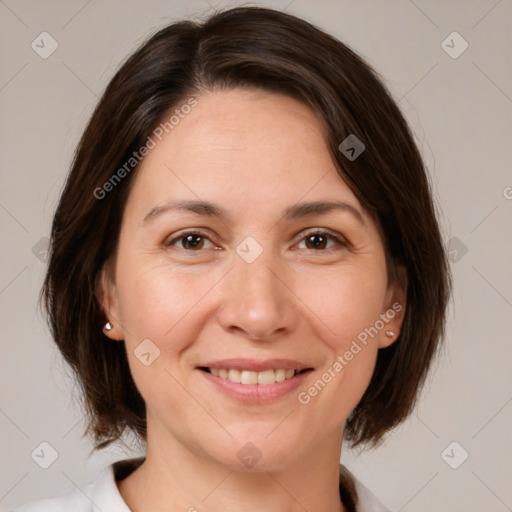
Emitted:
<point x="105" y="494"/>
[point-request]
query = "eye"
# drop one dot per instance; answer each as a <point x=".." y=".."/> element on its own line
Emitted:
<point x="317" y="240"/>
<point x="192" y="240"/>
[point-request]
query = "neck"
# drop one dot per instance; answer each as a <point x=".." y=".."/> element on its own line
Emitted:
<point x="175" y="476"/>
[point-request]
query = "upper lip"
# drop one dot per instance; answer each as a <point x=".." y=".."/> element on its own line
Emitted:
<point x="255" y="365"/>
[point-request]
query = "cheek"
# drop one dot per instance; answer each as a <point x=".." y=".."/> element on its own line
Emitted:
<point x="347" y="300"/>
<point x="348" y="304"/>
<point x="162" y="302"/>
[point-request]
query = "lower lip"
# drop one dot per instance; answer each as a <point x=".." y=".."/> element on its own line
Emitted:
<point x="256" y="393"/>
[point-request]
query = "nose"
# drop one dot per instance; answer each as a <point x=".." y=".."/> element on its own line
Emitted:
<point x="257" y="300"/>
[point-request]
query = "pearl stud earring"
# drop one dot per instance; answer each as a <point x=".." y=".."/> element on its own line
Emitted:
<point x="390" y="333"/>
<point x="108" y="326"/>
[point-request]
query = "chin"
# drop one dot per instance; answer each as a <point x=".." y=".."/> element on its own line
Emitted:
<point x="256" y="453"/>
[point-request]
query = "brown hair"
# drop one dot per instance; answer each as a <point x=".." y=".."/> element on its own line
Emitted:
<point x="277" y="52"/>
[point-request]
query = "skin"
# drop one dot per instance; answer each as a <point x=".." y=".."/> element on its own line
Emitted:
<point x="255" y="154"/>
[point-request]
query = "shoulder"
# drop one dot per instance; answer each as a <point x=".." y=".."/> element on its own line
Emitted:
<point x="70" y="501"/>
<point x="367" y="502"/>
<point x="358" y="497"/>
<point x="102" y="494"/>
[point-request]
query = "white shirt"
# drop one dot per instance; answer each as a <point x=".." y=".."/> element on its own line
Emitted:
<point x="103" y="495"/>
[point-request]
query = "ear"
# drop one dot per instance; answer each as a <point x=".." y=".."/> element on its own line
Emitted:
<point x="394" y="308"/>
<point x="106" y="294"/>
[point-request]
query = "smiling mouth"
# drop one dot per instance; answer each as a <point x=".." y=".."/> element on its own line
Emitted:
<point x="265" y="378"/>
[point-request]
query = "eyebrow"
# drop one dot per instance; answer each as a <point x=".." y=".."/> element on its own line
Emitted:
<point x="293" y="212"/>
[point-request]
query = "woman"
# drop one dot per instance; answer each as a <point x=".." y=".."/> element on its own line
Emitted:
<point x="245" y="270"/>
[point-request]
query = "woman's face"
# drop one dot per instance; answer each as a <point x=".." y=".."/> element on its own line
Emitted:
<point x="251" y="294"/>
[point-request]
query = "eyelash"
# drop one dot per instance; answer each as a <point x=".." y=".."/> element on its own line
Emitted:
<point x="340" y="241"/>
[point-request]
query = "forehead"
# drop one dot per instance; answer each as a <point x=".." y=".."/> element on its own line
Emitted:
<point x="248" y="124"/>
<point x="249" y="148"/>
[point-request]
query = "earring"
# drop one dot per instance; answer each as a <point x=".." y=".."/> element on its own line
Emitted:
<point x="108" y="326"/>
<point x="390" y="333"/>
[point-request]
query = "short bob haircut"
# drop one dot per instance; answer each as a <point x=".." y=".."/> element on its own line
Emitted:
<point x="247" y="47"/>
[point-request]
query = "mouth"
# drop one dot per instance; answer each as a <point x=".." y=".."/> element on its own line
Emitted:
<point x="247" y="377"/>
<point x="256" y="382"/>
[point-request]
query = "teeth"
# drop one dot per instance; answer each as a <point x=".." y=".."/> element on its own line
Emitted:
<point x="234" y="375"/>
<point x="265" y="377"/>
<point x="249" y="377"/>
<point x="280" y="375"/>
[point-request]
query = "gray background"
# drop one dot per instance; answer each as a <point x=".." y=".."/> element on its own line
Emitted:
<point x="460" y="110"/>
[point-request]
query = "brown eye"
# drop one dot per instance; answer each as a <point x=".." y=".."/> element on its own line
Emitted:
<point x="318" y="240"/>
<point x="190" y="241"/>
